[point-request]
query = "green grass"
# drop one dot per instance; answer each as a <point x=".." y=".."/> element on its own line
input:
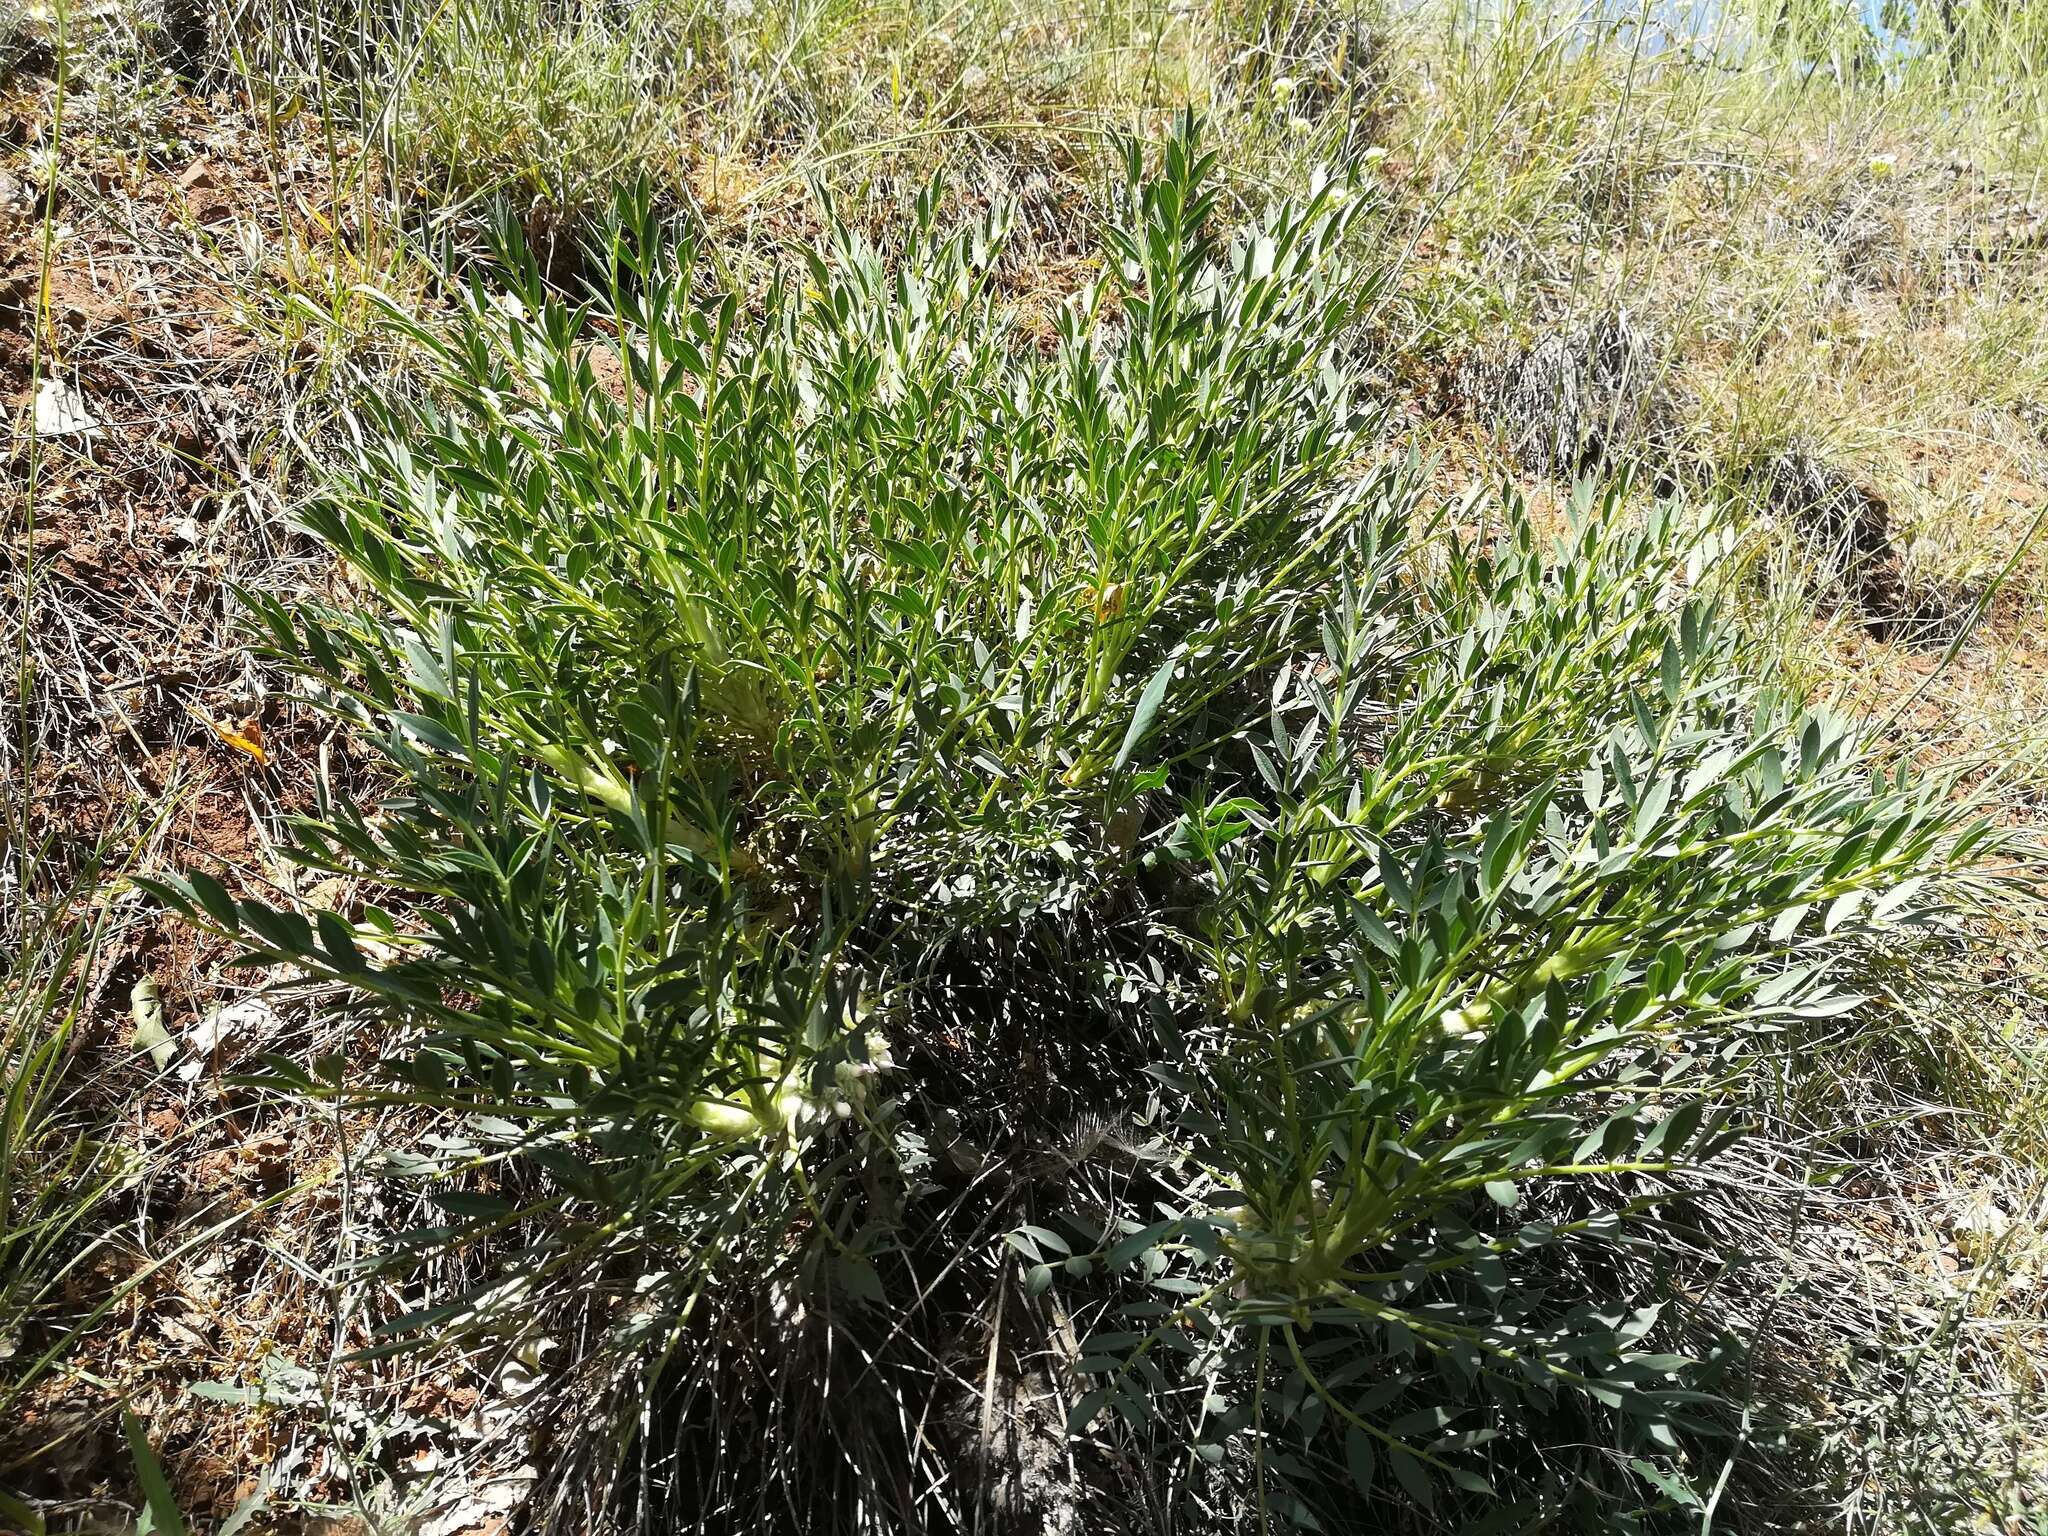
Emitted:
<point x="1804" y="250"/>
<point x="59" y="1164"/>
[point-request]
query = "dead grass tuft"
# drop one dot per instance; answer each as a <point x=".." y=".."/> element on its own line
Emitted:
<point x="1583" y="398"/>
<point x="1847" y="529"/>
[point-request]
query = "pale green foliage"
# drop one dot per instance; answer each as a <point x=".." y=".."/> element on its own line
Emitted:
<point x="548" y="111"/>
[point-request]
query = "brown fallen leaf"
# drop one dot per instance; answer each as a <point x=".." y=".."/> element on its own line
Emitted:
<point x="245" y="736"/>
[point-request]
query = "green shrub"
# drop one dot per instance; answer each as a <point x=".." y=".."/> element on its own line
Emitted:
<point x="958" y="895"/>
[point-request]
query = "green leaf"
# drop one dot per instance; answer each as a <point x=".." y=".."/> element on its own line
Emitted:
<point x="1670" y="1485"/>
<point x="859" y="1279"/>
<point x="21" y="1516"/>
<point x="1045" y="1237"/>
<point x="214" y="897"/>
<point x="1360" y="1459"/>
<point x="1430" y="1421"/>
<point x="161" y="1514"/>
<point x="1085" y="1409"/>
<point x="251" y="1505"/>
<point x="1147" y="710"/>
<point x="225" y="1392"/>
<point x="1413" y="1477"/>
<point x="146" y="1019"/>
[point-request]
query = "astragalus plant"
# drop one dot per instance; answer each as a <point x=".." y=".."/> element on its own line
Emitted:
<point x="1011" y="934"/>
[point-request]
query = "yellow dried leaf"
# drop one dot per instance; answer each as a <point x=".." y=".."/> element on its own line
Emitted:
<point x="246" y="736"/>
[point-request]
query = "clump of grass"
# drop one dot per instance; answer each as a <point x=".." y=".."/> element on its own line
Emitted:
<point x="1848" y="533"/>
<point x="15" y="44"/>
<point x="998" y="934"/>
<point x="726" y="106"/>
<point x="507" y="99"/>
<point x="59" y="1164"/>
<point x="1591" y="397"/>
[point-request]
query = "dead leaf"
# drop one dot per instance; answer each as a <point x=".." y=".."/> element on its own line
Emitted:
<point x="61" y="411"/>
<point x="227" y="1032"/>
<point x="267" y="1160"/>
<point x="146" y="1013"/>
<point x="245" y="736"/>
<point x="328" y="895"/>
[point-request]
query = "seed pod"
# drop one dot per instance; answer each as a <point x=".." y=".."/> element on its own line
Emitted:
<point x="717" y="1117"/>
